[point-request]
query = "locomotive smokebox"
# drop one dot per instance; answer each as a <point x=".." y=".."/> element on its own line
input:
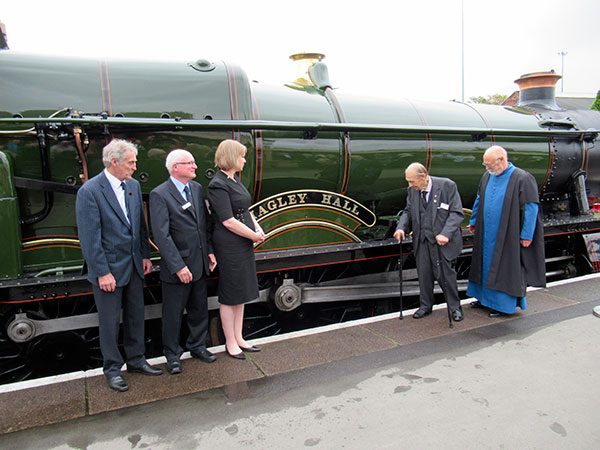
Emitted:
<point x="538" y="89"/>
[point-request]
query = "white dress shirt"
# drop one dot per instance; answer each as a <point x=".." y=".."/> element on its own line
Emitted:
<point x="115" y="183"/>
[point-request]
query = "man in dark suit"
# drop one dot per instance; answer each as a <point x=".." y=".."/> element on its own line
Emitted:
<point x="114" y="242"/>
<point x="433" y="213"/>
<point x="180" y="227"/>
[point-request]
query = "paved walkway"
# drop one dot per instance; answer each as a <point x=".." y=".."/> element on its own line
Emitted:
<point x="529" y="381"/>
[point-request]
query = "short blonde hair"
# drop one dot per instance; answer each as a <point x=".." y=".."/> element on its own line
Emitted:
<point x="228" y="153"/>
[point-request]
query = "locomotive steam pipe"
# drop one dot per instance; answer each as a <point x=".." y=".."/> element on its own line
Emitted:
<point x="48" y="195"/>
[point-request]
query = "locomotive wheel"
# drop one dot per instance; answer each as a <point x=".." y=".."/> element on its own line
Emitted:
<point x="48" y="355"/>
<point x="61" y="352"/>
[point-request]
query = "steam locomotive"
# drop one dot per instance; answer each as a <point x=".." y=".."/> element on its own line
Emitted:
<point x="325" y="170"/>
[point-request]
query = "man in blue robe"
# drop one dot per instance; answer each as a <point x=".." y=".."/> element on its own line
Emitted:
<point x="508" y="242"/>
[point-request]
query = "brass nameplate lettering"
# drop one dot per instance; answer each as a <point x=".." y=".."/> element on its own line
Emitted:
<point x="299" y="199"/>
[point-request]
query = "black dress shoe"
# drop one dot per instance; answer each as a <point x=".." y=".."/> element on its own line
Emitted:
<point x="495" y="314"/>
<point x="457" y="315"/>
<point x="204" y="355"/>
<point x="146" y="369"/>
<point x="174" y="367"/>
<point x="239" y="355"/>
<point x="252" y="349"/>
<point x="118" y="383"/>
<point x="420" y="313"/>
<point x="476" y="304"/>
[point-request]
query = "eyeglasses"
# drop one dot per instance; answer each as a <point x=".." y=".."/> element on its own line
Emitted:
<point x="187" y="162"/>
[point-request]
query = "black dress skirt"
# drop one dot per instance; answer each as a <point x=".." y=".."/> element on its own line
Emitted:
<point x="234" y="253"/>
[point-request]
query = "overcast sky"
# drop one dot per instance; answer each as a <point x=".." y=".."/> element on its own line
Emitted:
<point x="385" y="48"/>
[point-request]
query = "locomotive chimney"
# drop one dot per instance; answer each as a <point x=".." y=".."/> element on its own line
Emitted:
<point x="538" y="89"/>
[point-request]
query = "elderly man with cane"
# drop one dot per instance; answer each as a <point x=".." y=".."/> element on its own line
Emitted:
<point x="433" y="213"/>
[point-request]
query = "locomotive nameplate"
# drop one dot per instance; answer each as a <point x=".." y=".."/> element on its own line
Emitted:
<point x="309" y="218"/>
<point x="304" y="198"/>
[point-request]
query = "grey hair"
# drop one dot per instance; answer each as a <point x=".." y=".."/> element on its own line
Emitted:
<point x="117" y="149"/>
<point x="417" y="168"/>
<point x="174" y="156"/>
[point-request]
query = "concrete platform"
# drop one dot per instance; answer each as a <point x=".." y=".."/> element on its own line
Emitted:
<point x="523" y="381"/>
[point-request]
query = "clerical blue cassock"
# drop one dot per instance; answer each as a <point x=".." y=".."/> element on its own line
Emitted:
<point x="506" y="209"/>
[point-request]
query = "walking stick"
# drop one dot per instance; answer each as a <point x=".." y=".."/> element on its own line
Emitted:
<point x="443" y="285"/>
<point x="401" y="279"/>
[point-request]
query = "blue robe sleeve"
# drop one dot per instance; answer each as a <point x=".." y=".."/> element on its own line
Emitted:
<point x="529" y="221"/>
<point x="474" y="211"/>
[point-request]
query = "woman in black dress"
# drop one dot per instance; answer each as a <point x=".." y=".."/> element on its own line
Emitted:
<point x="235" y="232"/>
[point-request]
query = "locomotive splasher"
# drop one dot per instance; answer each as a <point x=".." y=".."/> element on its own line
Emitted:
<point x="325" y="168"/>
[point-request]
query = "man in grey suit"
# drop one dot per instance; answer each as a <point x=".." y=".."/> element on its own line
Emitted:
<point x="180" y="228"/>
<point x="114" y="242"/>
<point x="433" y="213"/>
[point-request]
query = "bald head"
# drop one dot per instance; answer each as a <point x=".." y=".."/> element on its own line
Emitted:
<point x="496" y="152"/>
<point x="416" y="176"/>
<point x="495" y="160"/>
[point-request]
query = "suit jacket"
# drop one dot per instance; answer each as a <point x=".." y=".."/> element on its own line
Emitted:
<point x="445" y="207"/>
<point x="109" y="243"/>
<point x="183" y="236"/>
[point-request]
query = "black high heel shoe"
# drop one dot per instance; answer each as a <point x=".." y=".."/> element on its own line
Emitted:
<point x="252" y="349"/>
<point x="239" y="355"/>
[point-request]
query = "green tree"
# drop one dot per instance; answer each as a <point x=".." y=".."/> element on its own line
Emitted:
<point x="596" y="104"/>
<point x="495" y="99"/>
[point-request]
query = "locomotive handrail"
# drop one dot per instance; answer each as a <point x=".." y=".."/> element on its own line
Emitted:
<point x="251" y="125"/>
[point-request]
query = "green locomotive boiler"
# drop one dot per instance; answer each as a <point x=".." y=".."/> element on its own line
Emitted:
<point x="325" y="169"/>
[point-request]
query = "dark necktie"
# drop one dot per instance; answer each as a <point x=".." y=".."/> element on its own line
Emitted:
<point x="188" y="195"/>
<point x="126" y="200"/>
<point x="424" y="198"/>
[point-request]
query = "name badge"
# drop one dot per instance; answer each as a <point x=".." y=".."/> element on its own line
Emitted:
<point x="186" y="206"/>
<point x="444" y="206"/>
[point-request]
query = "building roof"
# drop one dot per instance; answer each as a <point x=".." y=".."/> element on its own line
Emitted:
<point x="574" y="101"/>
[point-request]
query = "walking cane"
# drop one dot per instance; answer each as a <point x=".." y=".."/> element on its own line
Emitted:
<point x="401" y="279"/>
<point x="443" y="285"/>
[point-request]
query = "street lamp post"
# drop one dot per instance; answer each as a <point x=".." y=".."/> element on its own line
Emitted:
<point x="562" y="70"/>
<point x="462" y="43"/>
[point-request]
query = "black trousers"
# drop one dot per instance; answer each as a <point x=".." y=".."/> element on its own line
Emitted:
<point x="178" y="297"/>
<point x="431" y="265"/>
<point x="130" y="300"/>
